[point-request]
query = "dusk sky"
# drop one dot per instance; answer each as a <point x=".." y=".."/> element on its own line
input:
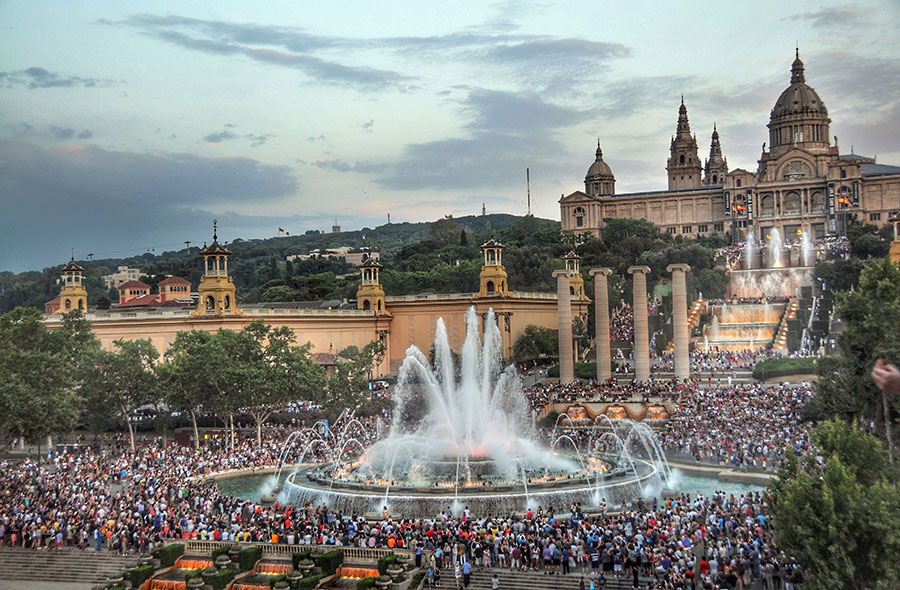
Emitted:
<point x="129" y="126"/>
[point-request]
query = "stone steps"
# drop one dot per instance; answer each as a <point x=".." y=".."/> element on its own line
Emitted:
<point x="509" y="580"/>
<point x="68" y="565"/>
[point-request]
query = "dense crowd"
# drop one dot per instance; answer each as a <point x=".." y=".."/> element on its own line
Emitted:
<point x="621" y="321"/>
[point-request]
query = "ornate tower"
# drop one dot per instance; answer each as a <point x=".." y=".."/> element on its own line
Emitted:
<point x="216" y="288"/>
<point x="370" y="294"/>
<point x="683" y="166"/>
<point x="493" y="275"/>
<point x="576" y="282"/>
<point x="599" y="180"/>
<point x="716" y="165"/>
<point x="73" y="295"/>
<point x="798" y="118"/>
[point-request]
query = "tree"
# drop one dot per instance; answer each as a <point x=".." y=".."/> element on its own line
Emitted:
<point x="347" y="385"/>
<point x="38" y="374"/>
<point x="123" y="380"/>
<point x="838" y="515"/>
<point x="871" y="320"/>
<point x="185" y="376"/>
<point x="536" y="342"/>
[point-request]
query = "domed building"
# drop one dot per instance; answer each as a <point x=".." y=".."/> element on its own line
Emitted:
<point x="802" y="181"/>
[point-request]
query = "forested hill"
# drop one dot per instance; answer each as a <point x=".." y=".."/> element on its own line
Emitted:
<point x="256" y="263"/>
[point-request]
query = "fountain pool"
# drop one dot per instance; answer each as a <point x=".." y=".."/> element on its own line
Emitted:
<point x="475" y="446"/>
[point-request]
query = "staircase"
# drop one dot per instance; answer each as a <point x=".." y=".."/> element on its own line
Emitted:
<point x="69" y="566"/>
<point x="510" y="580"/>
<point x="781" y="335"/>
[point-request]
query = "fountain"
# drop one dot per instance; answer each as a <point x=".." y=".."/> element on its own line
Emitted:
<point x="775" y="277"/>
<point x="475" y="447"/>
<point x="749" y="251"/>
<point x="776" y="249"/>
<point x="806" y="250"/>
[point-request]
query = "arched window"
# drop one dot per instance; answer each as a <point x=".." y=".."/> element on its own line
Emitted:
<point x="791" y="203"/>
<point x="490" y="287"/>
<point x="379" y="305"/>
<point x="81" y="304"/>
<point x="681" y="159"/>
<point x="715" y="178"/>
<point x="818" y="201"/>
<point x="737" y="183"/>
<point x="210" y="303"/>
<point x="843" y="173"/>
<point x="767" y="205"/>
<point x="227" y="302"/>
<point x="571" y="290"/>
<point x="366" y="305"/>
<point x="68" y="305"/>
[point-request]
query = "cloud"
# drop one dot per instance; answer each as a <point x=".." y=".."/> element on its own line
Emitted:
<point x="841" y="17"/>
<point x="62" y="132"/>
<point x="101" y="197"/>
<point x="259" y="43"/>
<point x="342" y="166"/>
<point x="367" y="126"/>
<point x="86" y="134"/>
<point x="219" y="136"/>
<point x="36" y="78"/>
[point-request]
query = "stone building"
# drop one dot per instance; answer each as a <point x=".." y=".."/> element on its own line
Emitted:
<point x="802" y="181"/>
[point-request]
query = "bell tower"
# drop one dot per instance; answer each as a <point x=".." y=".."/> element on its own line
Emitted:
<point x="216" y="288"/>
<point x="576" y="281"/>
<point x="684" y="165"/>
<point x="493" y="275"/>
<point x="370" y="294"/>
<point x="716" y="165"/>
<point x="73" y="295"/>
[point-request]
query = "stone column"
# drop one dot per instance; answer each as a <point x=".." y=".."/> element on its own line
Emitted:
<point x="564" y="307"/>
<point x="679" y="320"/>
<point x="641" y="327"/>
<point x="601" y="322"/>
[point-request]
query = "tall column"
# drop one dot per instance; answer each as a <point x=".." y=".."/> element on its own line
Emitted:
<point x="601" y="322"/>
<point x="679" y="320"/>
<point x="641" y="327"/>
<point x="564" y="307"/>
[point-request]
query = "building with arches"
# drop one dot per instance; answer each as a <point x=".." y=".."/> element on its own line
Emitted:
<point x="802" y="181"/>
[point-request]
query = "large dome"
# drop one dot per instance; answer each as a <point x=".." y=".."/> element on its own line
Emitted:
<point x="599" y="167"/>
<point x="798" y="98"/>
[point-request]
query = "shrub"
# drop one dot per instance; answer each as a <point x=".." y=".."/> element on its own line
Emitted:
<point x="548" y="421"/>
<point x="223" y="550"/>
<point x="309" y="582"/>
<point x="780" y="367"/>
<point x="385" y="562"/>
<point x="330" y="562"/>
<point x="192" y="574"/>
<point x="248" y="557"/>
<point x="366" y="584"/>
<point x="140" y="574"/>
<point x="221" y="579"/>
<point x="169" y="553"/>
<point x="296" y="558"/>
<point x="275" y="579"/>
<point x="584" y="371"/>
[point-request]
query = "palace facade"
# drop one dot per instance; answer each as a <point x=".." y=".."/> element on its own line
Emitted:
<point x="398" y="322"/>
<point x="802" y="181"/>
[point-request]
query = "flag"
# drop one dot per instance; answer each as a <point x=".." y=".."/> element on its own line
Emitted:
<point x="281" y="230"/>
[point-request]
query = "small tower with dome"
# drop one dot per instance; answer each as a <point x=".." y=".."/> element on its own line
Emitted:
<point x="73" y="295"/>
<point x="494" y="281"/>
<point x="370" y="294"/>
<point x="216" y="290"/>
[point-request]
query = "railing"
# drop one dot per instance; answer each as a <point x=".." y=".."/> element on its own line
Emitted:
<point x="197" y="547"/>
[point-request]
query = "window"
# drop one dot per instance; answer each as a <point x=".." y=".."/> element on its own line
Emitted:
<point x="681" y="159"/>
<point x="672" y="230"/>
<point x="874" y="216"/>
<point x="737" y="183"/>
<point x="719" y="227"/>
<point x="686" y="229"/>
<point x="702" y="229"/>
<point x="843" y="173"/>
<point x="579" y="221"/>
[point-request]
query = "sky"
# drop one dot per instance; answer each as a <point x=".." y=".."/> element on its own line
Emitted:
<point x="127" y="127"/>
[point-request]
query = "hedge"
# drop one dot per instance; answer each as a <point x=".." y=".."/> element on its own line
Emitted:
<point x="221" y="579"/>
<point x="780" y="367"/>
<point x="366" y="584"/>
<point x="192" y="574"/>
<point x="385" y="562"/>
<point x="140" y="574"/>
<point x="310" y="582"/>
<point x="168" y="554"/>
<point x="275" y="579"/>
<point x="584" y="371"/>
<point x="248" y="557"/>
<point x="220" y="551"/>
<point x="296" y="558"/>
<point x="329" y="562"/>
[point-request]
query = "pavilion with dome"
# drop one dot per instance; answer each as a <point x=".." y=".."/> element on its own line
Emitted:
<point x="802" y="182"/>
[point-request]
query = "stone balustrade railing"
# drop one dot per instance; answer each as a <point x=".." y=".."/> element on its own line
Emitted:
<point x="351" y="554"/>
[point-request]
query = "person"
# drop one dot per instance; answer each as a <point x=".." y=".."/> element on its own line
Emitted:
<point x="467" y="573"/>
<point x="437" y="577"/>
<point x="886" y="377"/>
<point x="430" y="574"/>
<point x="456" y="573"/>
<point x="495" y="583"/>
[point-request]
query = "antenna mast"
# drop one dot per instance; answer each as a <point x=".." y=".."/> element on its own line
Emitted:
<point x="528" y="187"/>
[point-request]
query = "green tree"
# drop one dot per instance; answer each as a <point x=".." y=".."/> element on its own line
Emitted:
<point x="186" y="376"/>
<point x="39" y="372"/>
<point x="123" y="380"/>
<point x="536" y="342"/>
<point x="839" y="518"/>
<point x="871" y="320"/>
<point x="347" y="385"/>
